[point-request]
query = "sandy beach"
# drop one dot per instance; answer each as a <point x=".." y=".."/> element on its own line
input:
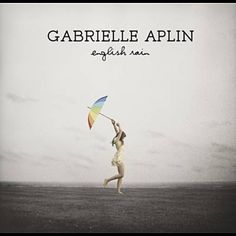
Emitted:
<point x="181" y="208"/>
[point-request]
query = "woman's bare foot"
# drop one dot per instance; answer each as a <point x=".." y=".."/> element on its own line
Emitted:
<point x="120" y="192"/>
<point x="105" y="183"/>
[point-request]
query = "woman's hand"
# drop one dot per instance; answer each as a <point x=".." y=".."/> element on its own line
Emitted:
<point x="119" y="128"/>
<point x="114" y="125"/>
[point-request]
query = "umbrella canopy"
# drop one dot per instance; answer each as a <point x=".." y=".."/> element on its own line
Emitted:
<point x="95" y="110"/>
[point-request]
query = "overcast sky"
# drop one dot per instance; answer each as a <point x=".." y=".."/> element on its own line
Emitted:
<point x="177" y="105"/>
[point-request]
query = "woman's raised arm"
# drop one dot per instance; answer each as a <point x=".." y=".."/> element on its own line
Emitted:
<point x="114" y="125"/>
<point x="119" y="131"/>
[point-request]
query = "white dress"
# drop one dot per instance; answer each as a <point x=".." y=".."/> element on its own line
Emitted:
<point x="118" y="157"/>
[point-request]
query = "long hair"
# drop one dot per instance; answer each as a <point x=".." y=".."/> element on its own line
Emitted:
<point x="123" y="135"/>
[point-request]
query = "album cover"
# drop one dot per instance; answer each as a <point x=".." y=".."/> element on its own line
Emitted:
<point x="118" y="117"/>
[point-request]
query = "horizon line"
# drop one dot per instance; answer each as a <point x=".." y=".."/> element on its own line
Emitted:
<point x="125" y="184"/>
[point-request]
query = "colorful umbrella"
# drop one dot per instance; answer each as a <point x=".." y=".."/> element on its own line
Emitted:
<point x="95" y="111"/>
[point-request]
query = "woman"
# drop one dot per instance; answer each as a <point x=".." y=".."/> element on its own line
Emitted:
<point x="118" y="140"/>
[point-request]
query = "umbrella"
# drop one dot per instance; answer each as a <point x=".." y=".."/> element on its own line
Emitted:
<point x="95" y="111"/>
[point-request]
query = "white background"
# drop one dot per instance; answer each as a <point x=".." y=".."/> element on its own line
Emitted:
<point x="176" y="105"/>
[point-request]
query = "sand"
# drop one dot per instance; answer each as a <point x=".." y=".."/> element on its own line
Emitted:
<point x="182" y="208"/>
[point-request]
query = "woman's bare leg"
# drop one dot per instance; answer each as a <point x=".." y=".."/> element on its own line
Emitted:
<point x="119" y="176"/>
<point x="106" y="181"/>
<point x="119" y="181"/>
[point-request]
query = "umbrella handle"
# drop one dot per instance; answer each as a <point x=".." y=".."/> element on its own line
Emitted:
<point x="102" y="114"/>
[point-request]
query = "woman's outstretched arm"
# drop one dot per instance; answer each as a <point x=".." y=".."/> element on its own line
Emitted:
<point x="119" y="131"/>
<point x="114" y="125"/>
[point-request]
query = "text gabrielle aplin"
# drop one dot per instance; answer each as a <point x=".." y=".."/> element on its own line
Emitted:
<point x="121" y="36"/>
